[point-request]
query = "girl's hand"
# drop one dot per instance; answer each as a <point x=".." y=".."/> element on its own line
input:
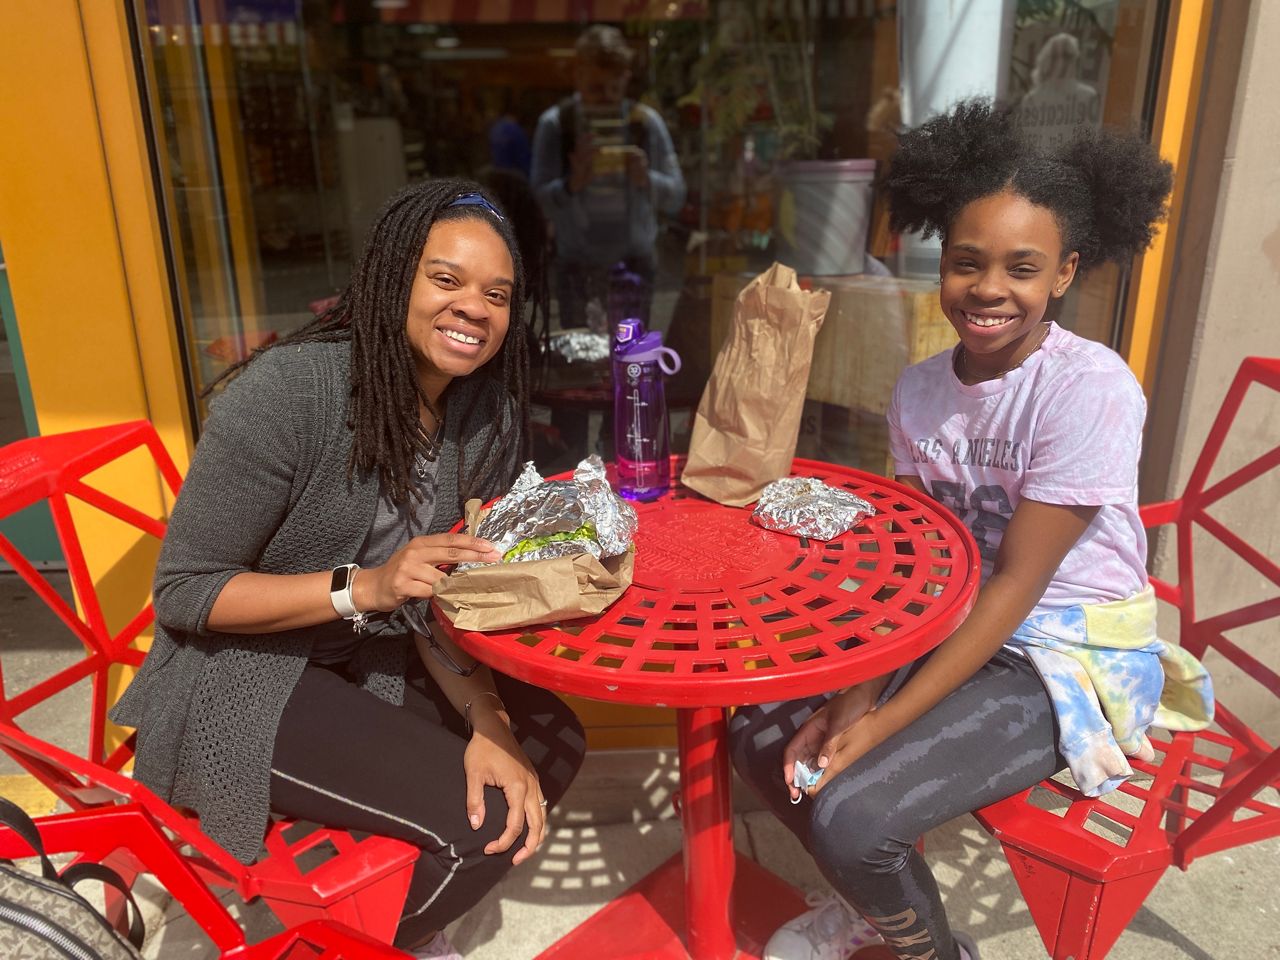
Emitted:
<point x="414" y="569"/>
<point x="846" y="746"/>
<point x="494" y="759"/>
<point x="818" y="735"/>
<point x="805" y="745"/>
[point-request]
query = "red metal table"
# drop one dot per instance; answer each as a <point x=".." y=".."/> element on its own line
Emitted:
<point x="722" y="613"/>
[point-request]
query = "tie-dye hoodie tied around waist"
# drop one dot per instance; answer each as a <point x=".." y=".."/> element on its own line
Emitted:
<point x="1110" y="678"/>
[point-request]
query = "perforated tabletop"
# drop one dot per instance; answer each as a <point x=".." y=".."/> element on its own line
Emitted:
<point x="722" y="612"/>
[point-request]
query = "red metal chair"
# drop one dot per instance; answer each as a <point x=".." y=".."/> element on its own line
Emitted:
<point x="1085" y="865"/>
<point x="360" y="883"/>
<point x="99" y="835"/>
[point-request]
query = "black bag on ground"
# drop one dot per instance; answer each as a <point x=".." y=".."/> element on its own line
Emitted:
<point x="43" y="917"/>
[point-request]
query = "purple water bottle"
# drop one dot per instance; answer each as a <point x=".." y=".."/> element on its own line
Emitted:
<point x="641" y="436"/>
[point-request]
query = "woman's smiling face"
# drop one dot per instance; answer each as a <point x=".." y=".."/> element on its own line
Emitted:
<point x="1002" y="262"/>
<point x="460" y="304"/>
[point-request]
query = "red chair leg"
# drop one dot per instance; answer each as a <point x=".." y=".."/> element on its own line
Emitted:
<point x="116" y="909"/>
<point x="1078" y="918"/>
<point x="319" y="940"/>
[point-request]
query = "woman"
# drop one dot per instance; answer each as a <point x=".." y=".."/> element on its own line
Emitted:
<point x="321" y="491"/>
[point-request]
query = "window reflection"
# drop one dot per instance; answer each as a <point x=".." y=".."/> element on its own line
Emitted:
<point x="281" y="127"/>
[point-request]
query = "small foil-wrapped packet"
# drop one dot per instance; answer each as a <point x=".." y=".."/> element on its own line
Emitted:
<point x="541" y="519"/>
<point x="581" y="346"/>
<point x="807" y="507"/>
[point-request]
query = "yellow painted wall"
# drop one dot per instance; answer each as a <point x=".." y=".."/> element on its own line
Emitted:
<point x="81" y="236"/>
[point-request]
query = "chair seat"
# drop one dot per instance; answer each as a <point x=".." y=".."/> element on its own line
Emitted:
<point x="292" y="857"/>
<point x="1133" y="830"/>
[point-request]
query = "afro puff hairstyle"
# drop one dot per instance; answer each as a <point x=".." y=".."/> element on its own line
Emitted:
<point x="1106" y="189"/>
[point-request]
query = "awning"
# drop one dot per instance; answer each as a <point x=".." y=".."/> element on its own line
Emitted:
<point x="527" y="11"/>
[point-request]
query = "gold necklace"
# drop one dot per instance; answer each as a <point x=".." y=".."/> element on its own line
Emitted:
<point x="964" y="361"/>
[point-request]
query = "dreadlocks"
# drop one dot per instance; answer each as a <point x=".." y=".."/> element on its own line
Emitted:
<point x="385" y="394"/>
<point x="536" y="251"/>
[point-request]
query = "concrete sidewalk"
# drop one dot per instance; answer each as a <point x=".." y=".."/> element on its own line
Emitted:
<point x="617" y="823"/>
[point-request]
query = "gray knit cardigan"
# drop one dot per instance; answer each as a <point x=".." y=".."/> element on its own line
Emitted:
<point x="268" y="491"/>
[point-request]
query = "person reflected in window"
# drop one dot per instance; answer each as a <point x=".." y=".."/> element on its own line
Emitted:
<point x="1058" y="103"/>
<point x="508" y="142"/>
<point x="604" y="169"/>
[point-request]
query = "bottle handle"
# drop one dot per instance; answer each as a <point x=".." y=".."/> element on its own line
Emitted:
<point x="667" y="355"/>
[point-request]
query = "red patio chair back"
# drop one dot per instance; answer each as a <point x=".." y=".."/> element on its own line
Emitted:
<point x="306" y="873"/>
<point x="1085" y="865"/>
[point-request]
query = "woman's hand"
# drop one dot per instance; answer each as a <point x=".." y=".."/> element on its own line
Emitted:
<point x="414" y="569"/>
<point x="821" y="733"/>
<point x="494" y="759"/>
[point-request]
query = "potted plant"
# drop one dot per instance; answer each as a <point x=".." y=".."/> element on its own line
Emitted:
<point x="754" y="84"/>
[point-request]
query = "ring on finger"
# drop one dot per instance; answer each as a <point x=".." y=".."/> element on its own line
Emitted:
<point x="542" y="803"/>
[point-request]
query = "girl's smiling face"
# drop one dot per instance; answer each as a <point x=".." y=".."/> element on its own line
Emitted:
<point x="1002" y="261"/>
<point x="460" y="304"/>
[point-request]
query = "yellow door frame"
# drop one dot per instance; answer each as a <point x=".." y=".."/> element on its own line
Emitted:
<point x="1173" y="133"/>
<point x="86" y="262"/>
<point x="81" y="225"/>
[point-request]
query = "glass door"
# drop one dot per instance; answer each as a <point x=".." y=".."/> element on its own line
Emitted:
<point x="1081" y="63"/>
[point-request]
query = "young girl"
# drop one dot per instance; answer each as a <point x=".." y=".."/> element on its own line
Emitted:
<point x="1031" y="435"/>
<point x="317" y="501"/>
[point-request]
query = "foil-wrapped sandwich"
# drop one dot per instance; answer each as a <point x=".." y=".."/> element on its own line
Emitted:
<point x="581" y="346"/>
<point x="541" y="519"/>
<point x="807" y="507"/>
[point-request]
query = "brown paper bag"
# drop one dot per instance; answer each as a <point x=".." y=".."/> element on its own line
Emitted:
<point x="505" y="595"/>
<point x="745" y="430"/>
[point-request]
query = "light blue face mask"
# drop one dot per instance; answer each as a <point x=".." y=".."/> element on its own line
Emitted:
<point x="802" y="778"/>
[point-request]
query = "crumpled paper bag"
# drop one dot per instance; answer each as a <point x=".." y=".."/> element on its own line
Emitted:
<point x="501" y="596"/>
<point x="745" y="430"/>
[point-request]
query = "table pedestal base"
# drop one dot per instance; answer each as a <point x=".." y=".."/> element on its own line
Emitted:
<point x="648" y="921"/>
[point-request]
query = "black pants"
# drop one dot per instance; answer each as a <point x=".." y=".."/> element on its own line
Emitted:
<point x="346" y="759"/>
<point x="991" y="738"/>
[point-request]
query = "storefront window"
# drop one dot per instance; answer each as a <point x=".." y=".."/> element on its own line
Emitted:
<point x="281" y="127"/>
<point x="1076" y="63"/>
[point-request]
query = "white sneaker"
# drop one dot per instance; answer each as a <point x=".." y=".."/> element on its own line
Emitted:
<point x="832" y="930"/>
<point x="437" y="948"/>
<point x="968" y="948"/>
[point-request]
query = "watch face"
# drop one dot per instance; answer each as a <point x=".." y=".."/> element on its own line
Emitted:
<point x="339" y="579"/>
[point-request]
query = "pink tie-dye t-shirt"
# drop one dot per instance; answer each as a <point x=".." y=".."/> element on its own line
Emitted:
<point x="1065" y="428"/>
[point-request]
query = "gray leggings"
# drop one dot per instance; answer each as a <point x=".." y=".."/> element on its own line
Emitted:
<point x="991" y="738"/>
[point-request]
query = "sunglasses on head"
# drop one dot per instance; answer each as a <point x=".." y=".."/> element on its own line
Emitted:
<point x="477" y="200"/>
